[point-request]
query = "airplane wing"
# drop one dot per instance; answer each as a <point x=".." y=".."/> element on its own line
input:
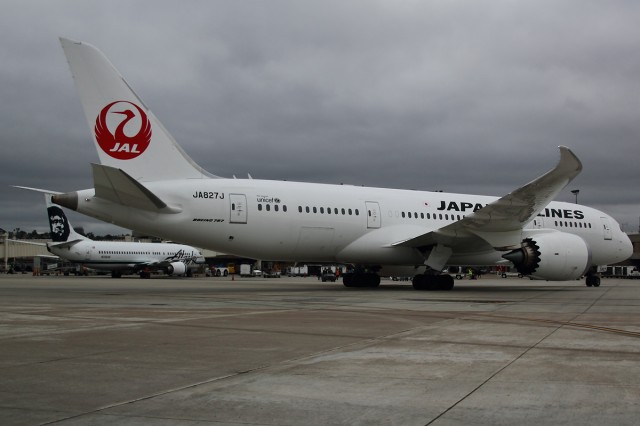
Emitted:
<point x="32" y="243"/>
<point x="500" y="223"/>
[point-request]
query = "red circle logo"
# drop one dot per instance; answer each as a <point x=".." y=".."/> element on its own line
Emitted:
<point x="123" y="143"/>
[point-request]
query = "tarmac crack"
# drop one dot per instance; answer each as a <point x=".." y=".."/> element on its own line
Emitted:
<point x="559" y="325"/>
<point x="278" y="364"/>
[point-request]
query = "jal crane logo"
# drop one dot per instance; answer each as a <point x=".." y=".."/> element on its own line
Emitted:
<point x="121" y="144"/>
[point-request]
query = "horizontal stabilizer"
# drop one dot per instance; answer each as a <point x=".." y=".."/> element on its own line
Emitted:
<point x="44" y="191"/>
<point x="66" y="244"/>
<point x="117" y="186"/>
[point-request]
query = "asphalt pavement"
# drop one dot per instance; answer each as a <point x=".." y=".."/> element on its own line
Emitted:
<point x="296" y="351"/>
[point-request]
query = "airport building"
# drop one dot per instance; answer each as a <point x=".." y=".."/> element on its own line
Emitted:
<point x="25" y="253"/>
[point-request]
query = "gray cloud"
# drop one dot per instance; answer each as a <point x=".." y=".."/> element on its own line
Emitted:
<point x="462" y="96"/>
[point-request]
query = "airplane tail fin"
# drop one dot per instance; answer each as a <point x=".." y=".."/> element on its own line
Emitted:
<point x="126" y="133"/>
<point x="61" y="229"/>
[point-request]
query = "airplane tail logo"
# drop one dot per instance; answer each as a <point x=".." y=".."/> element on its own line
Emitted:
<point x="119" y="144"/>
<point x="58" y="224"/>
<point x="121" y="125"/>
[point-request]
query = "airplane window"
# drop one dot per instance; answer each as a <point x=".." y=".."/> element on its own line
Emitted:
<point x="357" y="212"/>
<point x="284" y="209"/>
<point x="446" y="216"/>
<point x="268" y="207"/>
<point x="307" y="209"/>
<point x="233" y="206"/>
<point x="329" y="210"/>
<point x="458" y="217"/>
<point x="275" y="207"/>
<point x="259" y="207"/>
<point x="421" y="215"/>
<point x="315" y="210"/>
<point x="428" y="215"/>
<point x="343" y="212"/>
<point x="321" y="209"/>
<point x="403" y="214"/>
<point x="440" y="216"/>
<point x="335" y="210"/>
<point x="300" y="209"/>
<point x="369" y="213"/>
<point x="409" y="215"/>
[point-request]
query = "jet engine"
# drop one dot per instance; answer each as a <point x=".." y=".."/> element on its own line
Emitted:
<point x="556" y="256"/>
<point x="177" y="268"/>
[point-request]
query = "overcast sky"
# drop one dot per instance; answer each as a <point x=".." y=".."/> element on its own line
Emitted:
<point x="461" y="96"/>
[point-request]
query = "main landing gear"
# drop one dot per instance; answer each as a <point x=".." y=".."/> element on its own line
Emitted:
<point x="361" y="279"/>
<point x="592" y="279"/>
<point x="433" y="282"/>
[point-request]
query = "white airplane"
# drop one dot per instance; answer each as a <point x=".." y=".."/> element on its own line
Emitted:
<point x="145" y="181"/>
<point x="116" y="256"/>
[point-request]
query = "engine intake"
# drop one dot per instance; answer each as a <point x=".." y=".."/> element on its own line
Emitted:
<point x="554" y="256"/>
<point x="177" y="268"/>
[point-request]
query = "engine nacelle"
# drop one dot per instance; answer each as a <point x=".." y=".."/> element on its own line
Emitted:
<point x="177" y="268"/>
<point x="555" y="256"/>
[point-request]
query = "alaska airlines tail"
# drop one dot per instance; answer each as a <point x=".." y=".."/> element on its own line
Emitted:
<point x="126" y="133"/>
<point x="61" y="229"/>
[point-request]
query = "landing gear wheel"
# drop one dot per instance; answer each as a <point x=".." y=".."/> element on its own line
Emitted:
<point x="420" y="282"/>
<point x="592" y="281"/>
<point x="445" y="282"/>
<point x="433" y="282"/>
<point x="363" y="279"/>
<point x="347" y="279"/>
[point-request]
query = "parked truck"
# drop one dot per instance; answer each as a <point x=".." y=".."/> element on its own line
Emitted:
<point x="298" y="271"/>
<point x="246" y="270"/>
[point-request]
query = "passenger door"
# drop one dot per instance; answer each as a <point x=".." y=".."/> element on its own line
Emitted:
<point x="238" y="206"/>
<point x="606" y="228"/>
<point x="373" y="214"/>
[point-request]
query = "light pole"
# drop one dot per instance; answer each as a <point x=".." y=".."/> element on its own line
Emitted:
<point x="576" y="192"/>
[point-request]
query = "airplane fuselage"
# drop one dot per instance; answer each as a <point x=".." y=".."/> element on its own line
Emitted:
<point x="290" y="221"/>
<point x="115" y="256"/>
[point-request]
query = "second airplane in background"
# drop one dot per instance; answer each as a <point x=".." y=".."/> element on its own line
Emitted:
<point x="116" y="256"/>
